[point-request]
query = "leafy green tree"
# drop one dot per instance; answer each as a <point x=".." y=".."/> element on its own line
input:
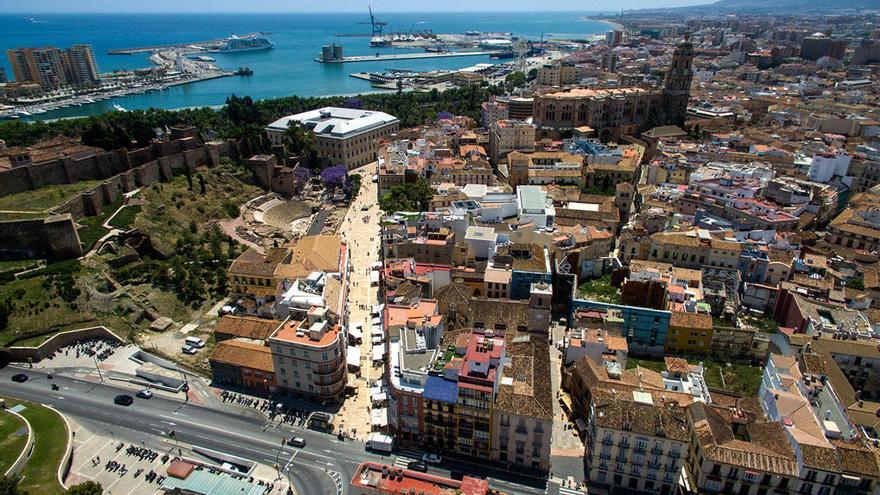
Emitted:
<point x="299" y="140"/>
<point x="142" y="132"/>
<point x="413" y="196"/>
<point x="86" y="488"/>
<point x="9" y="486"/>
<point x="514" y="80"/>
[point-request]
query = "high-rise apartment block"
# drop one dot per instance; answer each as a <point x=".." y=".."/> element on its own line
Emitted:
<point x="52" y="68"/>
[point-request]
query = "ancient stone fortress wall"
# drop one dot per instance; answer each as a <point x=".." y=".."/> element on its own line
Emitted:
<point x="55" y="236"/>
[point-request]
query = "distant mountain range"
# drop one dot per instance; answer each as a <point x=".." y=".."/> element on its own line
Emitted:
<point x="781" y="6"/>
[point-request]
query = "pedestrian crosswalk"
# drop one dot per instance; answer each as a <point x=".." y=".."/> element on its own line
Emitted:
<point x="403" y="461"/>
<point x="570" y="491"/>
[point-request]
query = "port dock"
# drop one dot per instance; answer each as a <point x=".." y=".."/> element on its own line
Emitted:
<point x="401" y="56"/>
<point x="179" y="46"/>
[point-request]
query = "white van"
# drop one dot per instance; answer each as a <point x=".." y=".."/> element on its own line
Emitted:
<point x="380" y="443"/>
<point x="195" y="342"/>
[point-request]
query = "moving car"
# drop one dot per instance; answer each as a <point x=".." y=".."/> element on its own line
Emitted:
<point x="417" y="466"/>
<point x="431" y="458"/>
<point x="123" y="400"/>
<point x="297" y="442"/>
<point x="20" y="378"/>
<point x="144" y="393"/>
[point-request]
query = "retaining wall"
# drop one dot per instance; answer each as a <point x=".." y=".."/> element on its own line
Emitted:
<point x="57" y="341"/>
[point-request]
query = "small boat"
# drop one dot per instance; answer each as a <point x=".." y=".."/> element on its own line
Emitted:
<point x="119" y="108"/>
<point x="244" y="71"/>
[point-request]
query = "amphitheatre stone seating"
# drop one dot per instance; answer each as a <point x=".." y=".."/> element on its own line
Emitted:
<point x="281" y="214"/>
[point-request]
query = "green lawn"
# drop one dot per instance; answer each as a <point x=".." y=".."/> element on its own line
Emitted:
<point x="13" y="437"/>
<point x="91" y="228"/>
<point x="125" y="218"/>
<point x="38" y="308"/>
<point x="40" y="475"/>
<point x="765" y="324"/>
<point x="45" y="197"/>
<point x="740" y="378"/>
<point x="600" y="289"/>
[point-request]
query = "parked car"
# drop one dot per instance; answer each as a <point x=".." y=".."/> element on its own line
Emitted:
<point x="417" y="466"/>
<point x="431" y="458"/>
<point x="20" y="378"/>
<point x="188" y="349"/>
<point x="145" y="393"/>
<point x="123" y="400"/>
<point x="297" y="442"/>
<point x="195" y="342"/>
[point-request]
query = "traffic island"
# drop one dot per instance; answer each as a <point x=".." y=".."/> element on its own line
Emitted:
<point x="51" y="447"/>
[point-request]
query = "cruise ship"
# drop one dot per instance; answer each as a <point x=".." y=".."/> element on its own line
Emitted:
<point x="245" y="44"/>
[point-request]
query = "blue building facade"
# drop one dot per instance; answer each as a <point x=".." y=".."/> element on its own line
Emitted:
<point x="645" y="329"/>
<point x="521" y="280"/>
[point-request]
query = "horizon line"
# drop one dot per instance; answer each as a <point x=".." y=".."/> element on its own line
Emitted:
<point x="314" y="12"/>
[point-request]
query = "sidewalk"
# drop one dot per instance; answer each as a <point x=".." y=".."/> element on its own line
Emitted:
<point x="363" y="240"/>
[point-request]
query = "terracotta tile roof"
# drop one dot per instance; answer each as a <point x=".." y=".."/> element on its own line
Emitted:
<point x="238" y="352"/>
<point x="857" y="458"/>
<point x="620" y="411"/>
<point x="681" y="319"/>
<point x="529" y="369"/>
<point x="253" y="264"/>
<point x="764" y="447"/>
<point x="312" y="253"/>
<point x="247" y="327"/>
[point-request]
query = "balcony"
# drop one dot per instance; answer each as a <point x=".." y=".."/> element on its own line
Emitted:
<point x="657" y="450"/>
<point x="326" y="380"/>
<point x="522" y="430"/>
<point x="333" y="365"/>
<point x="674" y="454"/>
<point x="607" y="441"/>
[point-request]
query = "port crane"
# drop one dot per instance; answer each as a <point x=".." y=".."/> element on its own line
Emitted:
<point x="376" y="25"/>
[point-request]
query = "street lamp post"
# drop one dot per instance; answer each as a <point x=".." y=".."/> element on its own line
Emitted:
<point x="98" y="368"/>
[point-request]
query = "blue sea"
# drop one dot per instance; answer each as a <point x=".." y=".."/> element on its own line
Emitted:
<point x="287" y="69"/>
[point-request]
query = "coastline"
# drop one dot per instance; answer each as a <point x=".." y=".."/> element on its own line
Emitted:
<point x="615" y="26"/>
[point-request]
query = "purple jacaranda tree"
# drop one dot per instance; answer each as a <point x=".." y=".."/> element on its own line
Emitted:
<point x="444" y="115"/>
<point x="334" y="177"/>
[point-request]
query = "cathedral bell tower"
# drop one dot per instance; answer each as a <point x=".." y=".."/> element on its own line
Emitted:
<point x="677" y="87"/>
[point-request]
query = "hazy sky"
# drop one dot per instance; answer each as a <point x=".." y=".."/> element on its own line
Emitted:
<point x="208" y="6"/>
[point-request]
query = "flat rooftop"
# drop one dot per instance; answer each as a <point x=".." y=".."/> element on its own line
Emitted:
<point x="287" y="332"/>
<point x="370" y="476"/>
<point x="337" y="122"/>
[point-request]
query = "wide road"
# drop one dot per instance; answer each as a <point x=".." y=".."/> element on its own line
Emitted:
<point x="324" y="466"/>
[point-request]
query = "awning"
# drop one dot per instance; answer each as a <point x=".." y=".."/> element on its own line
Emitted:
<point x="353" y="357"/>
<point x="377" y="331"/>
<point x="374" y="277"/>
<point x="378" y="352"/>
<point x="377" y="322"/>
<point x="566" y="402"/>
<point x="381" y="397"/>
<point x="581" y="426"/>
<point x="377" y="339"/>
<point x="356" y="333"/>
<point x="379" y="417"/>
